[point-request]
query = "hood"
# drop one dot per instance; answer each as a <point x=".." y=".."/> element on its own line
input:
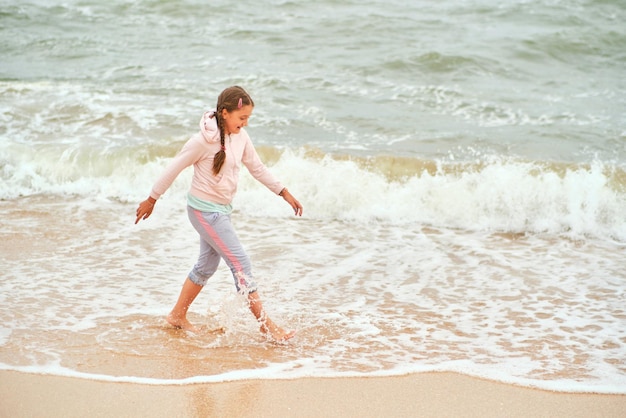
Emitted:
<point x="208" y="127"/>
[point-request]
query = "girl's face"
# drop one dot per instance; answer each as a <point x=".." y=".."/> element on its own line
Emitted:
<point x="237" y="119"/>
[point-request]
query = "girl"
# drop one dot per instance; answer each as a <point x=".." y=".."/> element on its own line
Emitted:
<point x="216" y="153"/>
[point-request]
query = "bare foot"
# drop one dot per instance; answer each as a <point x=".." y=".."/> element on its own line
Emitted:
<point x="182" y="323"/>
<point x="275" y="333"/>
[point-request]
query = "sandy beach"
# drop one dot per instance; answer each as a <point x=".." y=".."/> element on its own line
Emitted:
<point x="424" y="395"/>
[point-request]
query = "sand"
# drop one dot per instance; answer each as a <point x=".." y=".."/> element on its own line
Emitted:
<point x="417" y="395"/>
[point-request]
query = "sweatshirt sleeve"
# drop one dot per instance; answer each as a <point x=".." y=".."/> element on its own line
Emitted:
<point x="188" y="155"/>
<point x="258" y="170"/>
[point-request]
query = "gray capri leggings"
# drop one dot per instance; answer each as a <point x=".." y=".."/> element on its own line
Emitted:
<point x="219" y="240"/>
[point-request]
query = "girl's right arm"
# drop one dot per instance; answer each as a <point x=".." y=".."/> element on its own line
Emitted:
<point x="145" y="209"/>
<point x="187" y="156"/>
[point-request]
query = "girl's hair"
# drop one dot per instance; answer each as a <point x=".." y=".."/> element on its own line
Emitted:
<point x="231" y="99"/>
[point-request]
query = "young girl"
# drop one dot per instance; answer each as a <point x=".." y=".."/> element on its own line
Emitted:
<point x="216" y="153"/>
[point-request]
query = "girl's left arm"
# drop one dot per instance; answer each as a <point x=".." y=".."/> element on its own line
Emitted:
<point x="297" y="207"/>
<point x="260" y="172"/>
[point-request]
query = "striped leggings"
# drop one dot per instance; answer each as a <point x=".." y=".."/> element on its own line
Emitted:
<point x="218" y="240"/>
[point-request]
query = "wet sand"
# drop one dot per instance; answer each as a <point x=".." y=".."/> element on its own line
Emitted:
<point x="428" y="395"/>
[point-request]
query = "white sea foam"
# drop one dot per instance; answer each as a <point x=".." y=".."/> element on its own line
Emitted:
<point x="369" y="298"/>
<point x="307" y="368"/>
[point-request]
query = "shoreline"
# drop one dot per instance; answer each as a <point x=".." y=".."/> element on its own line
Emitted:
<point x="441" y="394"/>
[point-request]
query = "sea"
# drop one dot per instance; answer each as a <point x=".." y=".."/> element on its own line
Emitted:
<point x="461" y="164"/>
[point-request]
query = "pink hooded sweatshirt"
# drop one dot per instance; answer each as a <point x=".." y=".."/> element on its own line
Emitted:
<point x="200" y="149"/>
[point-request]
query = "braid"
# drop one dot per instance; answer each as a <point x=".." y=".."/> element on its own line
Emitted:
<point x="220" y="156"/>
<point x="230" y="99"/>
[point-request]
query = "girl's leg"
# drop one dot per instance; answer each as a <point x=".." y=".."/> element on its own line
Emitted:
<point x="205" y="267"/>
<point x="178" y="316"/>
<point x="268" y="327"/>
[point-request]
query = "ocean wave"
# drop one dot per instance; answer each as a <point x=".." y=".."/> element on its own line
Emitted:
<point x="489" y="193"/>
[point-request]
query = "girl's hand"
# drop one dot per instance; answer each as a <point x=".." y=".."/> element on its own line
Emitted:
<point x="145" y="209"/>
<point x="297" y="207"/>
